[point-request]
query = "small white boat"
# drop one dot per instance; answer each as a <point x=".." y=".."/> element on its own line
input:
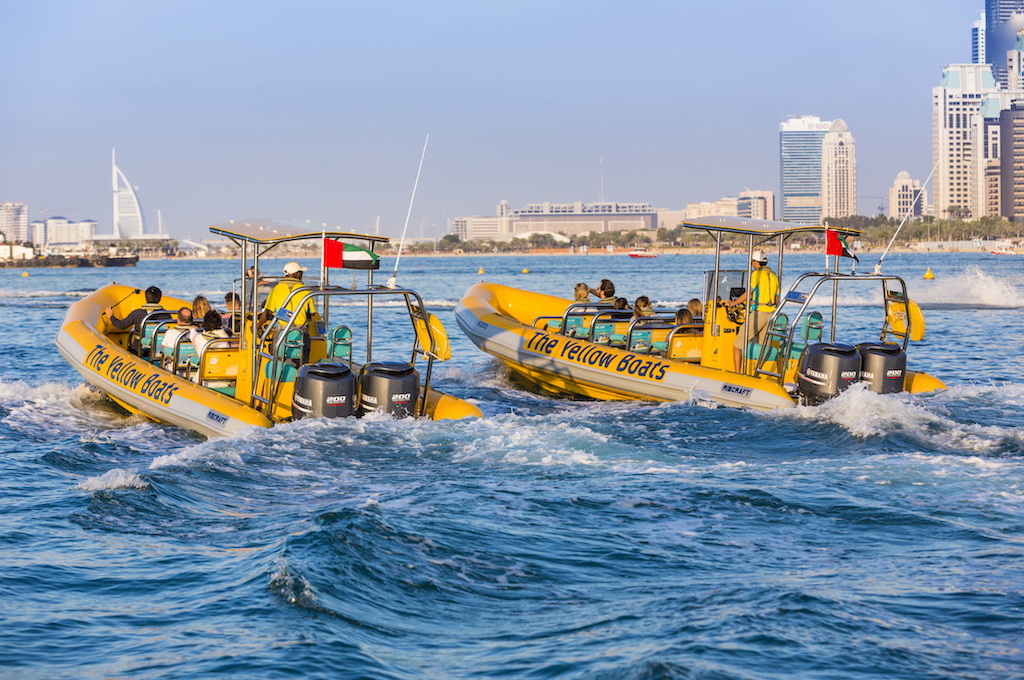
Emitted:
<point x="641" y="253"/>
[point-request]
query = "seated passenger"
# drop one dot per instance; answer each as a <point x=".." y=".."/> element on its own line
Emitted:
<point x="581" y="293"/>
<point x="213" y="327"/>
<point x="696" y="310"/>
<point x="605" y="291"/>
<point x="620" y="303"/>
<point x="642" y="307"/>
<point x="200" y="306"/>
<point x="183" y="327"/>
<point x="685" y="318"/>
<point x="137" y="316"/>
<point x="233" y="316"/>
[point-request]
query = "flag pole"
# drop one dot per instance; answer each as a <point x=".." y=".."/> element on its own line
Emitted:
<point x="408" y="214"/>
<point x="910" y="210"/>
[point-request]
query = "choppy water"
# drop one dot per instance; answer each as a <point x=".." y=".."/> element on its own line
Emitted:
<point x="875" y="536"/>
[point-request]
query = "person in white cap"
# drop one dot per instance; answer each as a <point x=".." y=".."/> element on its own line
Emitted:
<point x="764" y="285"/>
<point x="276" y="300"/>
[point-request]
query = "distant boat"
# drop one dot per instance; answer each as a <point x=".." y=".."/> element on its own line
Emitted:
<point x="641" y="252"/>
<point x="1003" y="252"/>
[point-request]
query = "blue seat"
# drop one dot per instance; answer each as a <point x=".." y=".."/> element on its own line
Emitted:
<point x="810" y="333"/>
<point x="339" y="343"/>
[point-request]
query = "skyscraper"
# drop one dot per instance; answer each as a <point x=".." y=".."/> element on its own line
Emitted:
<point x="956" y="103"/>
<point x="800" y="140"/>
<point x="978" y="40"/>
<point x="838" y="172"/>
<point x="1011" y="123"/>
<point x="1003" y="18"/>
<point x="127" y="213"/>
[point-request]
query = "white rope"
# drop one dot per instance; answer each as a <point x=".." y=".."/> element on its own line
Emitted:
<point x="910" y="211"/>
<point x="408" y="214"/>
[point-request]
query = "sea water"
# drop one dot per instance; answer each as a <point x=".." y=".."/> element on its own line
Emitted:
<point x="871" y="537"/>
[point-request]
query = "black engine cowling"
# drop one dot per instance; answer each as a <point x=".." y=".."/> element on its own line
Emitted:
<point x="324" y="390"/>
<point x="826" y="370"/>
<point x="882" y="366"/>
<point x="390" y="387"/>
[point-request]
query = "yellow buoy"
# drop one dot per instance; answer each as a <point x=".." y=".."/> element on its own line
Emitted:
<point x="526" y="271"/>
<point x="928" y="274"/>
<point x="24" y="273"/>
<point x="480" y="271"/>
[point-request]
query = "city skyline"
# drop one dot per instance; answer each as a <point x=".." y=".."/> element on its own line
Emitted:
<point x="319" y="112"/>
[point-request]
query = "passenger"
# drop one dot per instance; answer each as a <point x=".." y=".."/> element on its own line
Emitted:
<point x="685" y="318"/>
<point x="137" y="316"/>
<point x="233" y="317"/>
<point x="581" y="293"/>
<point x="261" y="288"/>
<point x="200" y="306"/>
<point x="696" y="310"/>
<point x="765" y="287"/>
<point x="184" y="327"/>
<point x="213" y="328"/>
<point x="620" y="303"/>
<point x="605" y="291"/>
<point x="642" y="307"/>
<point x="276" y="300"/>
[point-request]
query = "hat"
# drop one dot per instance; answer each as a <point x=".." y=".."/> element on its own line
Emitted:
<point x="759" y="256"/>
<point x="293" y="267"/>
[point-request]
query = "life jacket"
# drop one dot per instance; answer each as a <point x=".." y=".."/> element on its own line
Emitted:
<point x="765" y="286"/>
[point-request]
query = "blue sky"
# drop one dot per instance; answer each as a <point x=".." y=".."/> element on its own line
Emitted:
<point x="318" y="110"/>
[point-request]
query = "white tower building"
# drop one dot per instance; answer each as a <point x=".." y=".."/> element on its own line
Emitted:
<point x="838" y="172"/>
<point x="14" y="222"/>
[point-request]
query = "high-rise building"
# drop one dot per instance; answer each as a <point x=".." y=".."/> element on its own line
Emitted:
<point x="906" y="196"/>
<point x="14" y="222"/>
<point x="1011" y="124"/>
<point x="955" y="151"/>
<point x="127" y="213"/>
<point x="800" y="139"/>
<point x="978" y="40"/>
<point x="838" y="172"/>
<point x="1003" y="18"/>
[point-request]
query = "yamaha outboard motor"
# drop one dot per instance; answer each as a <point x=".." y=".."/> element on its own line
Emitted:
<point x="882" y="366"/>
<point x="826" y="370"/>
<point x="389" y="386"/>
<point x="324" y="391"/>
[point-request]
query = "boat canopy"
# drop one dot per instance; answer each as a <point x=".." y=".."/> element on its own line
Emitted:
<point x="272" y="232"/>
<point x="765" y="228"/>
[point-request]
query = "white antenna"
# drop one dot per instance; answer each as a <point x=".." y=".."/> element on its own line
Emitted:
<point x="159" y="223"/>
<point x="376" y="227"/>
<point x="408" y="214"/>
<point x="910" y="210"/>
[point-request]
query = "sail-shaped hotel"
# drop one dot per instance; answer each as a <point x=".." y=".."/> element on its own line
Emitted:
<point x="127" y="212"/>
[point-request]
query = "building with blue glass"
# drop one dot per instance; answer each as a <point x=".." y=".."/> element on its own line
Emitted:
<point x="800" y="144"/>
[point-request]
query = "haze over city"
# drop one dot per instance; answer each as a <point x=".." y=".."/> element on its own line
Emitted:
<point x="318" y="111"/>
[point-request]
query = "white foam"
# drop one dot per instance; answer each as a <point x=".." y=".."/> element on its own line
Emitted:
<point x="865" y="414"/>
<point x="114" y="479"/>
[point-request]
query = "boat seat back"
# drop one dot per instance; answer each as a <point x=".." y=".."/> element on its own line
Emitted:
<point x="609" y="333"/>
<point x="148" y="328"/>
<point x="339" y="343"/>
<point x="640" y="341"/>
<point x="809" y="334"/>
<point x="218" y="364"/>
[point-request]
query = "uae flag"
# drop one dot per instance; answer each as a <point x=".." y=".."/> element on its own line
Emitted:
<point x="835" y="244"/>
<point x="341" y="254"/>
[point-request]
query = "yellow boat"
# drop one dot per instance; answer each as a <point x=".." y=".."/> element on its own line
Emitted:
<point x="566" y="348"/>
<point x="269" y="374"/>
